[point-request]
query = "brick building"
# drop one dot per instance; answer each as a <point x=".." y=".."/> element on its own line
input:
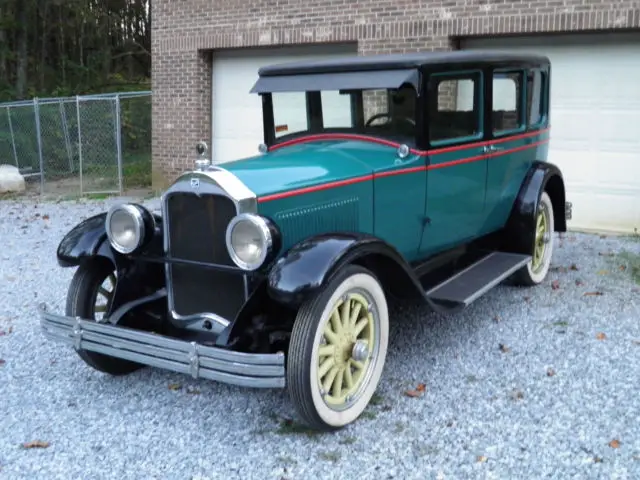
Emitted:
<point x="206" y="55"/>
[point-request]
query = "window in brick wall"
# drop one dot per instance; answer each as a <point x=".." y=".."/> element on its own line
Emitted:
<point x="535" y="97"/>
<point x="454" y="107"/>
<point x="507" y="102"/>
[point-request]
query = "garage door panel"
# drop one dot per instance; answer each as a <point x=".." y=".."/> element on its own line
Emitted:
<point x="595" y="113"/>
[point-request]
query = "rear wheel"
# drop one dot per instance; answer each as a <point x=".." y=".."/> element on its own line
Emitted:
<point x="535" y="271"/>
<point x="90" y="296"/>
<point x="338" y="349"/>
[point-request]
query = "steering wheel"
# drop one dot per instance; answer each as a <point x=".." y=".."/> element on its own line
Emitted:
<point x="388" y="115"/>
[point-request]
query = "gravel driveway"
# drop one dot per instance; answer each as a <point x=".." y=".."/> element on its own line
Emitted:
<point x="526" y="383"/>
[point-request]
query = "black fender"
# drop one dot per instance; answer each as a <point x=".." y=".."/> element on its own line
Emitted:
<point x="542" y="176"/>
<point x="88" y="240"/>
<point x="305" y="268"/>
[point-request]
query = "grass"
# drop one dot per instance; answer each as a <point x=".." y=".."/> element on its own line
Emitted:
<point x="631" y="262"/>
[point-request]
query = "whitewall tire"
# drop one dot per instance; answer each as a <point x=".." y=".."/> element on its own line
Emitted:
<point x="338" y="349"/>
<point x="536" y="270"/>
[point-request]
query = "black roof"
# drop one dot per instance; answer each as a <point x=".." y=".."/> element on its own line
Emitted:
<point x="358" y="63"/>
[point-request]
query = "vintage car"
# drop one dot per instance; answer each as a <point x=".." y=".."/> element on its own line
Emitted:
<point x="414" y="177"/>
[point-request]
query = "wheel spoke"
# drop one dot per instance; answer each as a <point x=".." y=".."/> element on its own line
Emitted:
<point x="358" y="365"/>
<point x="355" y="313"/>
<point x="325" y="367"/>
<point x="337" y="383"/>
<point x="112" y="280"/>
<point x="331" y="376"/>
<point x="348" y="376"/>
<point x="329" y="335"/>
<point x="326" y="350"/>
<point x="336" y="321"/>
<point x="360" y="326"/>
<point x="100" y="309"/>
<point x="344" y="314"/>
<point x="104" y="292"/>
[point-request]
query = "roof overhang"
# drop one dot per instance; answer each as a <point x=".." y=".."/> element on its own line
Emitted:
<point x="310" y="82"/>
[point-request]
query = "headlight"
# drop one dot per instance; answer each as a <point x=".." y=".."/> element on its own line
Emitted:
<point x="125" y="227"/>
<point x="249" y="241"/>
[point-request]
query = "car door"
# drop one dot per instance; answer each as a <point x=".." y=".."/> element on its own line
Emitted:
<point x="457" y="165"/>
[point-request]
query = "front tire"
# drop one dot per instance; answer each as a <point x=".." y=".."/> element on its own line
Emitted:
<point x="535" y="271"/>
<point x="93" y="282"/>
<point x="338" y="349"/>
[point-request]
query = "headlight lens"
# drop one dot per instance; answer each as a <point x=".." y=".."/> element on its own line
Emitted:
<point x="249" y="241"/>
<point x="125" y="228"/>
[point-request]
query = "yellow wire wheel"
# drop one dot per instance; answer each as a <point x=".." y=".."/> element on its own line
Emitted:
<point x="338" y="349"/>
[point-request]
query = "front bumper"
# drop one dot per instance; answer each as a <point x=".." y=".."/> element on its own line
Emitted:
<point x="200" y="361"/>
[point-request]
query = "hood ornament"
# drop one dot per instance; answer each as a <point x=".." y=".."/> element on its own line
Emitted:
<point x="202" y="163"/>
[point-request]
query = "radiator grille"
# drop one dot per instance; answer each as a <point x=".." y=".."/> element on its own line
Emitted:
<point x="197" y="227"/>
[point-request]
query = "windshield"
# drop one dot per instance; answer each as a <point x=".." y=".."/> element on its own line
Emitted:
<point x="385" y="113"/>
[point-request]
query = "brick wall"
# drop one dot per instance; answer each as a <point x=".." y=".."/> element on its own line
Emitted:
<point x="186" y="31"/>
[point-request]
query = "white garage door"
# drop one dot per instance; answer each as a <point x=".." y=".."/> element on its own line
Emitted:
<point x="236" y="113"/>
<point x="595" y="122"/>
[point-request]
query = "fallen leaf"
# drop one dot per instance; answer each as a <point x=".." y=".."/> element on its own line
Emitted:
<point x="601" y="336"/>
<point x="481" y="459"/>
<point x="579" y="283"/>
<point x="45" y="217"/>
<point x="622" y="268"/>
<point x="597" y="459"/>
<point x="603" y="272"/>
<point x="496" y="318"/>
<point x="593" y="294"/>
<point x="606" y="254"/>
<point x="555" y="285"/>
<point x="550" y="372"/>
<point x="504" y="348"/>
<point x="574" y="267"/>
<point x="36" y="444"/>
<point x="174" y="386"/>
<point x="615" y="443"/>
<point x="417" y="392"/>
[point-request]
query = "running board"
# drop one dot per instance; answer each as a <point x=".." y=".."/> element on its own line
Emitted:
<point x="474" y="281"/>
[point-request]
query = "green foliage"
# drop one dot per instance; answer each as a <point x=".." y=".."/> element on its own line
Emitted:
<point x="73" y="47"/>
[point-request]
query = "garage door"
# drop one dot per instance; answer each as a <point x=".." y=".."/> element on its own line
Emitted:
<point x="237" y="114"/>
<point x="595" y="122"/>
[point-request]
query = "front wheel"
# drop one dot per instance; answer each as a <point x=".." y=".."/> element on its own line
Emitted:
<point x="535" y="271"/>
<point x="338" y="349"/>
<point x="90" y="296"/>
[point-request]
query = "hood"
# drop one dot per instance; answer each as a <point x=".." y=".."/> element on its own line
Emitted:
<point x="307" y="164"/>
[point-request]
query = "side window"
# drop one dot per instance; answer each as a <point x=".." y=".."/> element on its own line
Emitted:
<point x="454" y="107"/>
<point x="507" y="115"/>
<point x="535" y="97"/>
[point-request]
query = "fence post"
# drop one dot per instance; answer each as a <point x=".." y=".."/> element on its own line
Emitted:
<point x="65" y="130"/>
<point x="79" y="141"/>
<point x="36" y="109"/>
<point x="13" y="139"/>
<point x="118" y="132"/>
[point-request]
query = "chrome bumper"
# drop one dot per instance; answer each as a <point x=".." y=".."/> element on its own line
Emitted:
<point x="200" y="361"/>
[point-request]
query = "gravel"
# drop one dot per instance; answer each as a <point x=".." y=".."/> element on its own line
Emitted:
<point x="524" y="384"/>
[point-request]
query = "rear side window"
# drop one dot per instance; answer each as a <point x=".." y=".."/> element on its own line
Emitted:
<point x="454" y="107"/>
<point x="508" y="114"/>
<point x="536" y="81"/>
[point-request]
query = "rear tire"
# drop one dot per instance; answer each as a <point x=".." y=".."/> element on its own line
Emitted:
<point x="338" y="349"/>
<point x="535" y="271"/>
<point x="86" y="287"/>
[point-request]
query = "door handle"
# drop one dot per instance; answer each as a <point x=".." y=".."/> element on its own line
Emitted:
<point x="490" y="149"/>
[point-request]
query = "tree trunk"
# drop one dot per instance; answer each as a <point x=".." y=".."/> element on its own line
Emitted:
<point x="22" y="52"/>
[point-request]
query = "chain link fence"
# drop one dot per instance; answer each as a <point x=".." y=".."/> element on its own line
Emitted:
<point x="96" y="144"/>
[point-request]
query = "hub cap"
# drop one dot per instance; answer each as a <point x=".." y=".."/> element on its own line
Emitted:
<point x="346" y="349"/>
